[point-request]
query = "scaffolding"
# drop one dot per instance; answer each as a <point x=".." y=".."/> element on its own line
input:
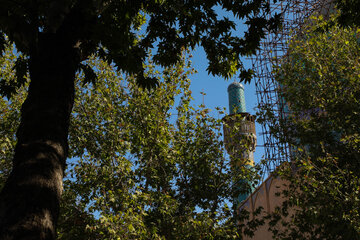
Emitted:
<point x="272" y="48"/>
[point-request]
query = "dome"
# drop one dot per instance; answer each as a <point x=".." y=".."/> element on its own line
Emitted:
<point x="235" y="85"/>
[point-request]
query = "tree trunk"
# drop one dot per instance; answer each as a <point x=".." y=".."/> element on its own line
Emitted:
<point x="29" y="202"/>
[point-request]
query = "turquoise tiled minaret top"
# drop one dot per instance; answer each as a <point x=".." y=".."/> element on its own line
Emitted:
<point x="236" y="98"/>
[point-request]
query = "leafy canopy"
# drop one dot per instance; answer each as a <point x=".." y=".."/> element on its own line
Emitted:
<point x="319" y="79"/>
<point x="145" y="164"/>
<point x="110" y="30"/>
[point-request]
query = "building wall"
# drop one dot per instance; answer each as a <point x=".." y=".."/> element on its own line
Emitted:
<point x="265" y="196"/>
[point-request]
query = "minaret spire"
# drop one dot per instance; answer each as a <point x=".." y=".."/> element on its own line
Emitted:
<point x="239" y="137"/>
<point x="236" y="98"/>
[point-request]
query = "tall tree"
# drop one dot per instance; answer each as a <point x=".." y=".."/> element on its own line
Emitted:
<point x="149" y="171"/>
<point x="55" y="37"/>
<point x="319" y="79"/>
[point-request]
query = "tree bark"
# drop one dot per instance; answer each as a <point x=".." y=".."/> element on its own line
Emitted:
<point x="29" y="201"/>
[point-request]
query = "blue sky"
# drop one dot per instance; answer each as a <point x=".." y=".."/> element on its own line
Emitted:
<point x="216" y="87"/>
<point x="216" y="91"/>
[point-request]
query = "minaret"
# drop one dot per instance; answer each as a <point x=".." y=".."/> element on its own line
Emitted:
<point x="239" y="136"/>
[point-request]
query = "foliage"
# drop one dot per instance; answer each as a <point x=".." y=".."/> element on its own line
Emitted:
<point x="144" y="164"/>
<point x="319" y="79"/>
<point x="110" y="29"/>
<point x="10" y="114"/>
<point x="148" y="174"/>
<point x="55" y="38"/>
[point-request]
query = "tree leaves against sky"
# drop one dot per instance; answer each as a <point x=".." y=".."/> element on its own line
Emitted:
<point x="145" y="163"/>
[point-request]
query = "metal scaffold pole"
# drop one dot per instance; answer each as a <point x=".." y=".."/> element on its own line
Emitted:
<point x="272" y="49"/>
